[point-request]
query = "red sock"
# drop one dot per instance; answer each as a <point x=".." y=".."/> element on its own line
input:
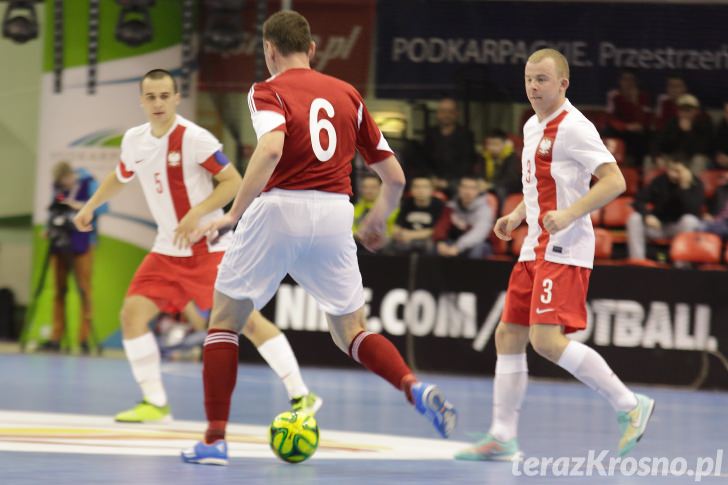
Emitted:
<point x="219" y="373"/>
<point x="380" y="356"/>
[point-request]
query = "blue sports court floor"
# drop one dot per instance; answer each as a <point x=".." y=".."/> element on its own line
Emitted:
<point x="55" y="427"/>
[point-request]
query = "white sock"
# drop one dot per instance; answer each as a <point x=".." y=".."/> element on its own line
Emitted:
<point x="509" y="389"/>
<point x="591" y="369"/>
<point x="278" y="354"/>
<point x="143" y="355"/>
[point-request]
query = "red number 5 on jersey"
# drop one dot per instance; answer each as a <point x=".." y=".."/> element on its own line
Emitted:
<point x="158" y="183"/>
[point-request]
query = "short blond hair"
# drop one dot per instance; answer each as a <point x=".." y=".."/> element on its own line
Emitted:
<point x="60" y="170"/>
<point x="562" y="65"/>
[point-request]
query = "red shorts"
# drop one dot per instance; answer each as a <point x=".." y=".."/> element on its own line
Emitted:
<point x="547" y="293"/>
<point x="172" y="281"/>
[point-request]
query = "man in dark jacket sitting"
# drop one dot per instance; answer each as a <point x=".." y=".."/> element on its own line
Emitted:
<point x="669" y="205"/>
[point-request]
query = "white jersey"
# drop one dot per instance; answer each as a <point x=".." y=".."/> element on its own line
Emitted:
<point x="560" y="154"/>
<point x="176" y="174"/>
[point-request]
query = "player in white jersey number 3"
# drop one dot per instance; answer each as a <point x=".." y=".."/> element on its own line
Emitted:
<point x="546" y="295"/>
<point x="297" y="219"/>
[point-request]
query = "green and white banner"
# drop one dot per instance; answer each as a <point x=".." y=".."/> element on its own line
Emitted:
<point x="85" y="130"/>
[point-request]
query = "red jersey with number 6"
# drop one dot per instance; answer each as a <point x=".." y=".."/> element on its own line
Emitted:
<point x="324" y="120"/>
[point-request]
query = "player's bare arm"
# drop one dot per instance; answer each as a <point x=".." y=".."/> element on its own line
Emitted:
<point x="610" y="185"/>
<point x="266" y="156"/>
<point x="108" y="188"/>
<point x="372" y="230"/>
<point x="228" y="183"/>
<point x="505" y="225"/>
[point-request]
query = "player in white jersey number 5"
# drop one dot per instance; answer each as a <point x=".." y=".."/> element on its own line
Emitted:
<point x="176" y="161"/>
<point x="546" y="295"/>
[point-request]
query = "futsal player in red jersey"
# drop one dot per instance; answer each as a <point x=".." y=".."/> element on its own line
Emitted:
<point x="296" y="218"/>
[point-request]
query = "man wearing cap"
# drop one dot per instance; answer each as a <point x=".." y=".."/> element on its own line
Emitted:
<point x="689" y="133"/>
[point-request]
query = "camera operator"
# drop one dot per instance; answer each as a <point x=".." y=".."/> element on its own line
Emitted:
<point x="70" y="249"/>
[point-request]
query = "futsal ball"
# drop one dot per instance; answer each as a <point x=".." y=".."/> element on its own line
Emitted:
<point x="294" y="437"/>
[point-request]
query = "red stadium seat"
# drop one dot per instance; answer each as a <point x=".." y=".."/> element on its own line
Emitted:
<point x="646" y="263"/>
<point x="712" y="179"/>
<point x="511" y="203"/>
<point x="616" y="213"/>
<point x="632" y="178"/>
<point x="696" y="247"/>
<point x="596" y="217"/>
<point x="616" y="148"/>
<point x="518" y="235"/>
<point x="499" y="246"/>
<point x="603" y="244"/>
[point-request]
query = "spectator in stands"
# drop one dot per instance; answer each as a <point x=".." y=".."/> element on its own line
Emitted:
<point x="721" y="139"/>
<point x="669" y="205"/>
<point x="689" y="133"/>
<point x="667" y="102"/>
<point x="501" y="171"/>
<point x="465" y="223"/>
<point x="417" y="217"/>
<point x="449" y="146"/>
<point x="717" y="220"/>
<point x="368" y="192"/>
<point x="630" y="116"/>
<point x="71" y="251"/>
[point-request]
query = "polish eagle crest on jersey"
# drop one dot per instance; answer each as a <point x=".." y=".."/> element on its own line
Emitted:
<point x="174" y="158"/>
<point x="545" y="146"/>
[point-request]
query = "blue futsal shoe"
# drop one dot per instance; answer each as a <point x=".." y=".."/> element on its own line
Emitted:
<point x="430" y="402"/>
<point x="204" y="454"/>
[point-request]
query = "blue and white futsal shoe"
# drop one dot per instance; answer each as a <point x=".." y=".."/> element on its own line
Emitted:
<point x="204" y="454"/>
<point x="430" y="402"/>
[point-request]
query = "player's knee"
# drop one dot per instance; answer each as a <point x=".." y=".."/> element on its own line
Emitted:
<point x="508" y="336"/>
<point x="131" y="319"/>
<point x="340" y="343"/>
<point x="249" y="329"/>
<point x="545" y="345"/>
<point x="502" y="334"/>
<point x="341" y="336"/>
<point x="344" y="328"/>
<point x="232" y="314"/>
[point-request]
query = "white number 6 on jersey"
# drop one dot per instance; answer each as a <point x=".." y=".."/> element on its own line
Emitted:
<point x="315" y="126"/>
<point x="548" y="285"/>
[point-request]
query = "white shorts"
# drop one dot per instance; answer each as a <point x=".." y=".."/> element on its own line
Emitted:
<point x="305" y="233"/>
